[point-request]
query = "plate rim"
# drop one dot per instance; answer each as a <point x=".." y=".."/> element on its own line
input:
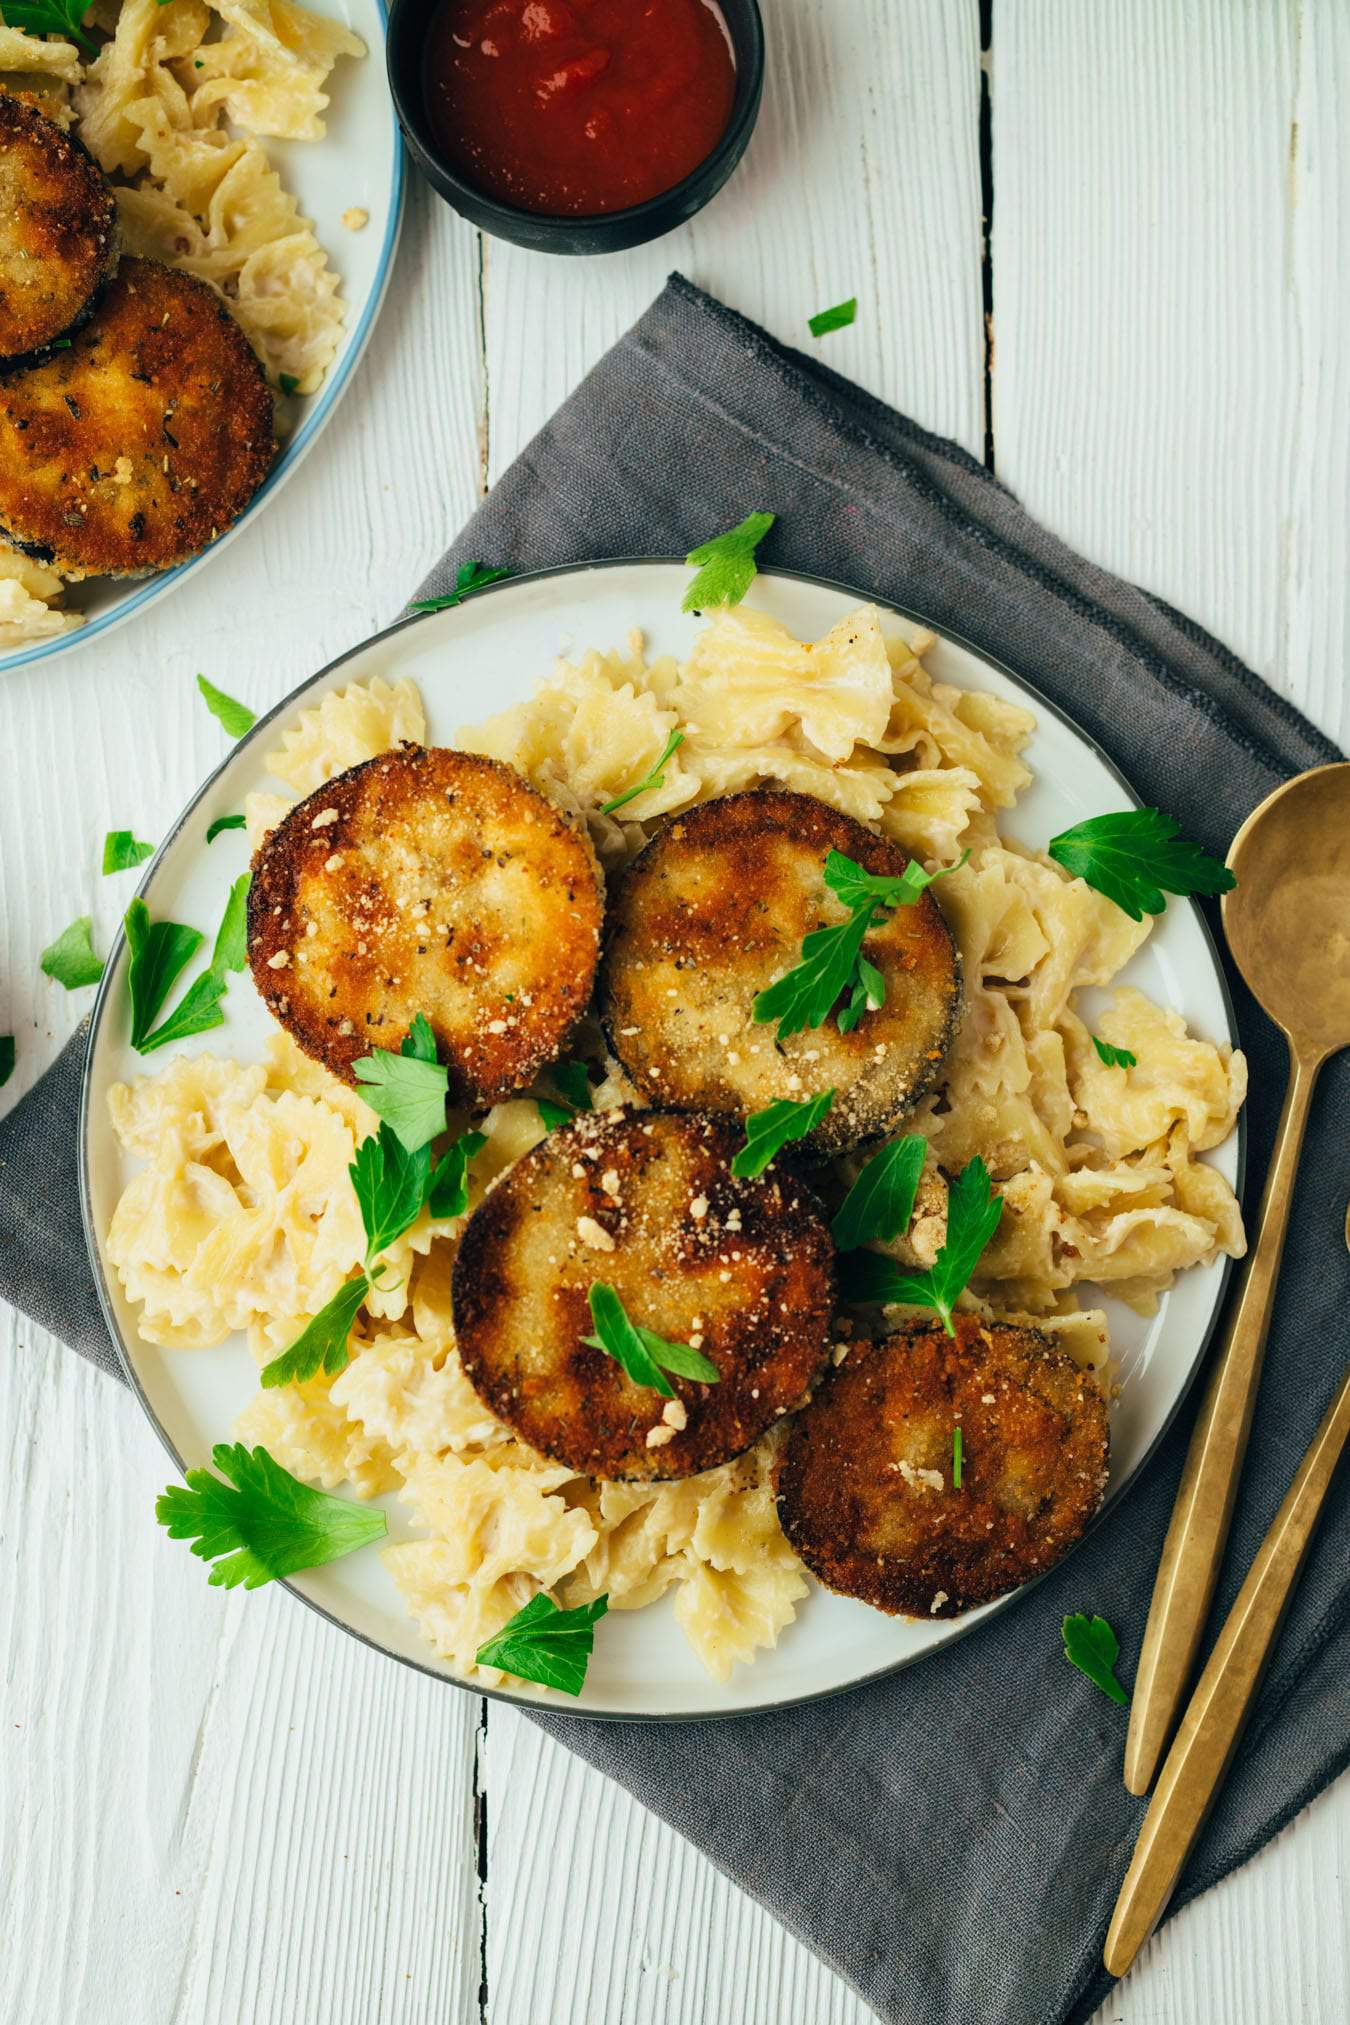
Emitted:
<point x="293" y="453"/>
<point x="976" y="1618"/>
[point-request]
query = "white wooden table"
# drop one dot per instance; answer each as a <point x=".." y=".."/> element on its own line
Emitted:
<point x="218" y="1808"/>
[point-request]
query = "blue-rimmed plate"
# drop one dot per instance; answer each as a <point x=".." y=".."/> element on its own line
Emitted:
<point x="358" y="166"/>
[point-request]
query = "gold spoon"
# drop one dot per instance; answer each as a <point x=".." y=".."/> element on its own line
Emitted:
<point x="1288" y="926"/>
<point x="1217" y="1714"/>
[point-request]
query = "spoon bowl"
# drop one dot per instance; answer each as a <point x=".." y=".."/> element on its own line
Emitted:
<point x="1287" y="921"/>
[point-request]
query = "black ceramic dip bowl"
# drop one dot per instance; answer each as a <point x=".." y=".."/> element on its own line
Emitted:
<point x="610" y="231"/>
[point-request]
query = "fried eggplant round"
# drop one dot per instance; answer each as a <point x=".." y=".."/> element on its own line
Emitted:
<point x="58" y="230"/>
<point x="140" y="443"/>
<point x="646" y="1203"/>
<point x="865" y="1484"/>
<point x="429" y="881"/>
<point x="712" y="913"/>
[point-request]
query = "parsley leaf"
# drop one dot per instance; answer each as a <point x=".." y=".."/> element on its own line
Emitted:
<point x="263" y="1521"/>
<point x="805" y="995"/>
<point x="956" y="1458"/>
<point x="655" y="779"/>
<point x="572" y="1081"/>
<point x="546" y="1644"/>
<point x="973" y="1213"/>
<point x="881" y="1200"/>
<point x="391" y="1185"/>
<point x="71" y="959"/>
<point x="235" y="718"/>
<point x="322" y="1343"/>
<point x="832" y="960"/>
<point x="199" y="1008"/>
<point x="768" y="1131"/>
<point x="1092" y="1646"/>
<point x="1114" y="1058"/>
<point x="6" y="1058"/>
<point x="448" y="1191"/>
<point x="159" y="951"/>
<point x="223" y="823"/>
<point x="1137" y="857"/>
<point x="288" y="383"/>
<point x="849" y="883"/>
<point x="838" y="318"/>
<point x="121" y="851"/>
<point x="644" y="1356"/>
<point x="49" y="17"/>
<point x="726" y="564"/>
<point x="407" y="1090"/>
<point x="470" y="577"/>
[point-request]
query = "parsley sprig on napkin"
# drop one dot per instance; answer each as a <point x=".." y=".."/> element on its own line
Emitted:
<point x="1092" y="1646"/>
<point x="726" y="564"/>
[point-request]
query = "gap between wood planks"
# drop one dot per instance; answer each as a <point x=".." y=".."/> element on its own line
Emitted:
<point x="987" y="218"/>
<point x="986" y="155"/>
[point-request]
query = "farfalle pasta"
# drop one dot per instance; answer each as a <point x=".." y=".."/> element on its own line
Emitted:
<point x="242" y="1217"/>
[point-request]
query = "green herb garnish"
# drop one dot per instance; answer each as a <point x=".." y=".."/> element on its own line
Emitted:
<point x="881" y="1201"/>
<point x="121" y="851"/>
<point x="48" y="17"/>
<point x="832" y="962"/>
<point x="408" y="1090"/>
<point x="956" y="1458"/>
<point x="287" y="381"/>
<point x="71" y="959"/>
<point x="546" y="1644"/>
<point x="6" y="1058"/>
<point x="655" y="779"/>
<point x="448" y="1191"/>
<point x="768" y="1131"/>
<point x="199" y="1008"/>
<point x="159" y="951"/>
<point x="223" y="823"/>
<point x="973" y="1213"/>
<point x="571" y="1079"/>
<point x="838" y="318"/>
<point x="391" y="1185"/>
<point x="263" y="1521"/>
<point x="1092" y="1646"/>
<point x="322" y="1343"/>
<point x="726" y="564"/>
<point x="1114" y="1058"/>
<point x="470" y="577"/>
<point x="1136" y="858"/>
<point x="644" y="1355"/>
<point x="235" y="718"/>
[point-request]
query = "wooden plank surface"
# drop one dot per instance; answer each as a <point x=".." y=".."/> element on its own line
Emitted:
<point x="217" y="1808"/>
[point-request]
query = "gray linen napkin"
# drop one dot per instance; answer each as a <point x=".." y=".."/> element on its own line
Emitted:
<point x="951" y="1839"/>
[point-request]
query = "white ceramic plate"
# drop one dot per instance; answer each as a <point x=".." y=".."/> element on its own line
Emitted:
<point x="359" y="163"/>
<point x="468" y="663"/>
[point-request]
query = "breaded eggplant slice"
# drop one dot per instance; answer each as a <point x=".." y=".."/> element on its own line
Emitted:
<point x="132" y="449"/>
<point x="428" y="881"/>
<point x="647" y="1203"/>
<point x="58" y="230"/>
<point x="865" y="1489"/>
<point x="712" y="912"/>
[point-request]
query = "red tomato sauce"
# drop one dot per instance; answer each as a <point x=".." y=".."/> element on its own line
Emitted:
<point x="575" y="107"/>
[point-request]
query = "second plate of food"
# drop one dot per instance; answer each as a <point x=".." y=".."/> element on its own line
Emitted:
<point x="214" y="198"/>
<point x="587" y="835"/>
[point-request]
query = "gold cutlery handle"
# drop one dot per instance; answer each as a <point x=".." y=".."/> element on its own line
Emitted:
<point x="1193" y="1550"/>
<point x="1218" y="1710"/>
